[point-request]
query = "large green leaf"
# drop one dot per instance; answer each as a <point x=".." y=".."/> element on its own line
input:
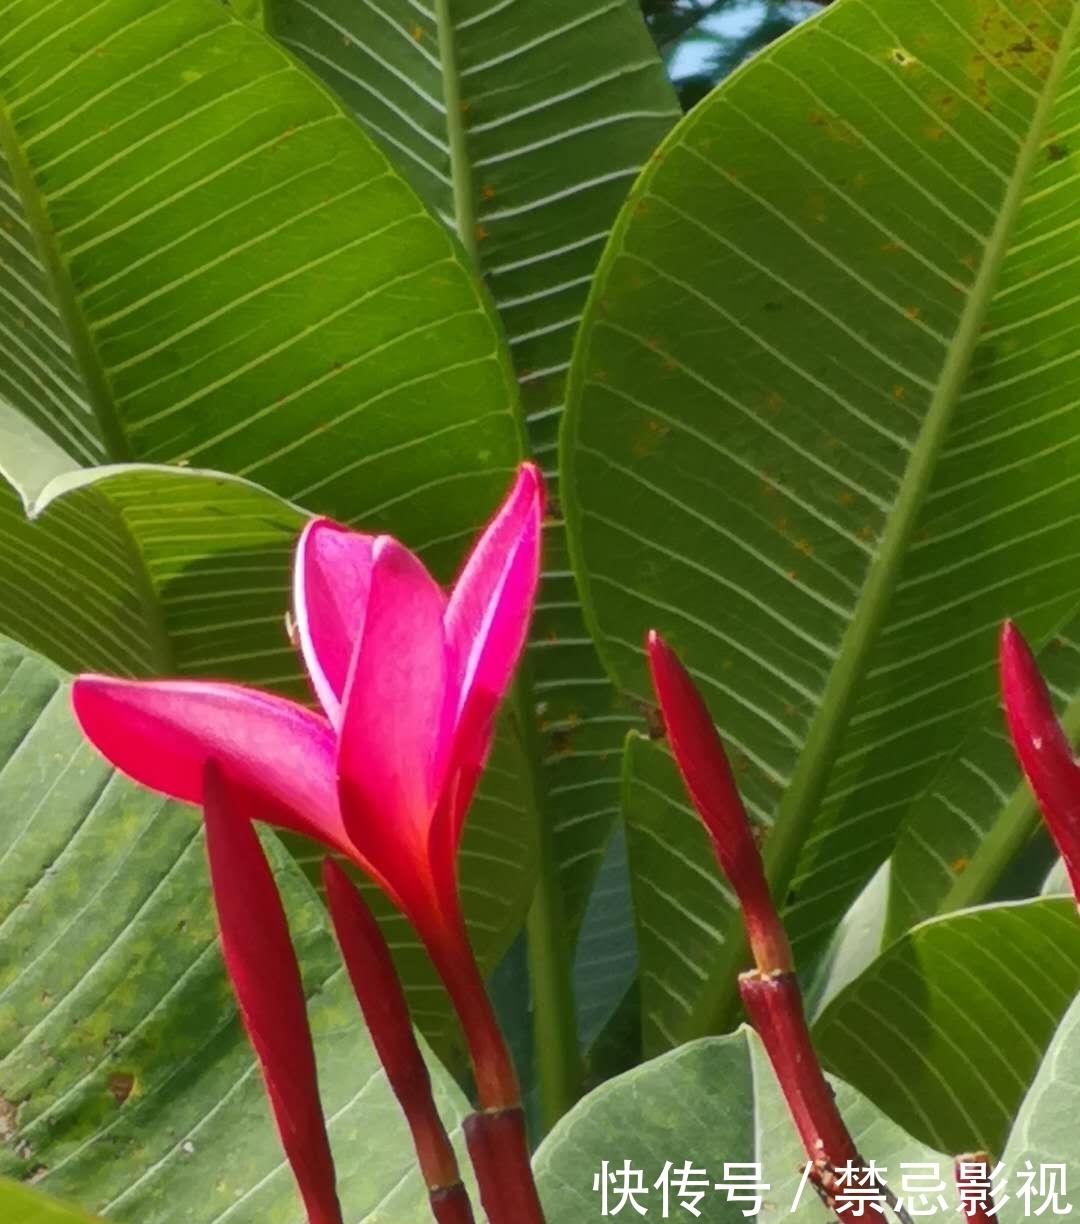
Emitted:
<point x="208" y="262"/>
<point x="946" y="1030"/>
<point x="822" y="429"/>
<point x="125" y="1079"/>
<point x="22" y="1205"/>
<point x="523" y="125"/>
<point x="143" y="571"/>
<point x="712" y="1102"/>
<point x="1045" y="1130"/>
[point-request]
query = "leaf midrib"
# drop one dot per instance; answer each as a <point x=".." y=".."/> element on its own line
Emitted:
<point x="809" y="779"/>
<point x="461" y="173"/>
<point x="95" y="383"/>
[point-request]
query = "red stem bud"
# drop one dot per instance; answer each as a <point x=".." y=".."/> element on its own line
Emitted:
<point x="699" y="754"/>
<point x="1041" y="747"/>
<point x="382" y="1001"/>
<point x="266" y="978"/>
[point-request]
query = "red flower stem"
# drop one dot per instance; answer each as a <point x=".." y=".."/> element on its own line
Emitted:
<point x="500" y="1155"/>
<point x="496" y="1080"/>
<point x="496" y="1136"/>
<point x="764" y="929"/>
<point x="774" y="1005"/>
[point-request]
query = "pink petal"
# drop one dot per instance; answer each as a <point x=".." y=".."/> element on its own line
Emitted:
<point x="162" y="733"/>
<point x="487" y="621"/>
<point x="487" y="617"/>
<point x="262" y="966"/>
<point x="1041" y="747"/>
<point x="394" y="737"/>
<point x="331" y="581"/>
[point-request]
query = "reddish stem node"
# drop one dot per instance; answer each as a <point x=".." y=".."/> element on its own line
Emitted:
<point x="974" y="1187"/>
<point x="774" y="1006"/>
<point x="500" y="1154"/>
<point x="450" y="1205"/>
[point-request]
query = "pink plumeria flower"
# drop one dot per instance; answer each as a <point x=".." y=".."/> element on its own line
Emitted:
<point x="409" y="681"/>
<point x="1041" y="747"/>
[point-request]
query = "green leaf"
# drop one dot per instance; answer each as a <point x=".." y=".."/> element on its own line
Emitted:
<point x="712" y="1102"/>
<point x="29" y="458"/>
<point x="855" y="945"/>
<point x="605" y="960"/>
<point x="152" y="570"/>
<point x="821" y="429"/>
<point x="125" y="1079"/>
<point x="682" y="904"/>
<point x="523" y="126"/>
<point x="21" y="1205"/>
<point x="945" y="1031"/>
<point x="209" y="263"/>
<point x="1045" y="1130"/>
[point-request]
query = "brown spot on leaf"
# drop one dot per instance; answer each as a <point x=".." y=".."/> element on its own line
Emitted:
<point x="121" y="1084"/>
<point x="9" y="1119"/>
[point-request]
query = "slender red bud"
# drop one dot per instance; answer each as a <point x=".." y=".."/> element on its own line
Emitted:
<point x="262" y="966"/>
<point x="499" y="1148"/>
<point x="704" y="766"/>
<point x="378" y="990"/>
<point x="1041" y="747"/>
<point x="773" y="1004"/>
<point x="974" y="1187"/>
